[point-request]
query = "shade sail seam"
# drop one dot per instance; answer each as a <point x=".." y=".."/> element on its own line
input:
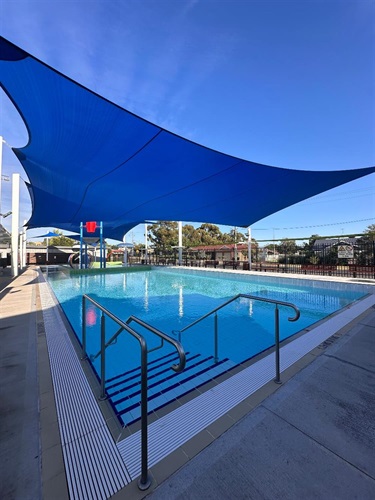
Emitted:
<point x="113" y="170"/>
<point x="181" y="189"/>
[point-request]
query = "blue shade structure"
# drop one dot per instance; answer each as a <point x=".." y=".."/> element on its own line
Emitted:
<point x="89" y="159"/>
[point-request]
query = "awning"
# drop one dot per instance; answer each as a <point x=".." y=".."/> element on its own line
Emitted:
<point x="88" y="159"/>
<point x="5" y="237"/>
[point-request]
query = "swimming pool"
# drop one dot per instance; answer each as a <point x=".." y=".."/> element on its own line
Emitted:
<point x="170" y="299"/>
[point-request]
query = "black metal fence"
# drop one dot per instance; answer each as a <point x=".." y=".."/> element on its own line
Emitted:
<point x="318" y="259"/>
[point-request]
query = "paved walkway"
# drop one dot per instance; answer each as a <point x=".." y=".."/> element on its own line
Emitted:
<point x="313" y="438"/>
<point x="20" y="460"/>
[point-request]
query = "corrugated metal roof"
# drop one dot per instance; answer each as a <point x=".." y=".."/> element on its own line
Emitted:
<point x="5" y="237"/>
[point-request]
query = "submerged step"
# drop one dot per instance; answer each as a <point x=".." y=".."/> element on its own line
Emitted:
<point x="162" y="393"/>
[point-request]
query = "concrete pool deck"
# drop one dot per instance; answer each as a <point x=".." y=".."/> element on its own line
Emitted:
<point x="313" y="436"/>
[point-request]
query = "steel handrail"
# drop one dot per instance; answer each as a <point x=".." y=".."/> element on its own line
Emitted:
<point x="181" y="365"/>
<point x="250" y="297"/>
<point x="144" y="482"/>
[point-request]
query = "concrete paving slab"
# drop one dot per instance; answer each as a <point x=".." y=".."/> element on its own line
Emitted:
<point x="360" y="349"/>
<point x="264" y="457"/>
<point x="333" y="401"/>
<point x="20" y="461"/>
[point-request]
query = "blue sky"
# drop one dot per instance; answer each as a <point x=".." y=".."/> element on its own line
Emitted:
<point x="284" y="83"/>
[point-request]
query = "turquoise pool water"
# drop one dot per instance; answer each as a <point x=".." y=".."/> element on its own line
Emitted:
<point x="171" y="299"/>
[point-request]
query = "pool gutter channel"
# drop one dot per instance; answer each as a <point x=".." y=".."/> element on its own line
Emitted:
<point x="90" y="444"/>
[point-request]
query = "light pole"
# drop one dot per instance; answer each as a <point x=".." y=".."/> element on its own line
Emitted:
<point x="249" y="247"/>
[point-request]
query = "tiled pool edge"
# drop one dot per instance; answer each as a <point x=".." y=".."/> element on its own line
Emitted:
<point x="173" y="430"/>
<point x="94" y="467"/>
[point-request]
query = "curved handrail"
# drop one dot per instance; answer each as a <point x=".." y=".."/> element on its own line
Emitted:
<point x="251" y="297"/>
<point x="144" y="481"/>
<point x="181" y="365"/>
<point x="247" y="296"/>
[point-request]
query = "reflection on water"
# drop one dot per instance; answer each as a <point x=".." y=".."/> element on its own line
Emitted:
<point x="91" y="315"/>
<point x="146" y="294"/>
<point x="180" y="301"/>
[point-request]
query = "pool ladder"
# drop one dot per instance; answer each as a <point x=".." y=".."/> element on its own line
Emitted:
<point x="144" y="481"/>
<point x="250" y="297"/>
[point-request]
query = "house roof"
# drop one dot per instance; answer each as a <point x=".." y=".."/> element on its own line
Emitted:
<point x="219" y="248"/>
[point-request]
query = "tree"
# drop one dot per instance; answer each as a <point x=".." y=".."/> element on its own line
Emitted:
<point x="287" y="246"/>
<point x="366" y="251"/>
<point x="164" y="235"/>
<point x="189" y="236"/>
<point x="208" y="234"/>
<point x="370" y="232"/>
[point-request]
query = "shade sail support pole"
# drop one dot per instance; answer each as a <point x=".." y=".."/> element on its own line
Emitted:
<point x="101" y="245"/>
<point x="249" y="247"/>
<point x="1" y="169"/>
<point x="180" y="243"/>
<point x="80" y="245"/>
<point x="146" y="244"/>
<point x="15" y="222"/>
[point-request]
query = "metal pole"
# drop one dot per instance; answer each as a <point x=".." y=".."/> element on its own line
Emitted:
<point x="84" y="354"/>
<point x="180" y="243"/>
<point x="249" y="247"/>
<point x="144" y="482"/>
<point x="47" y="250"/>
<point x="1" y="169"/>
<point x="216" y="356"/>
<point x="146" y="244"/>
<point x="80" y="244"/>
<point x="102" y="358"/>
<point x="277" y="346"/>
<point x="235" y="244"/>
<point x="23" y="246"/>
<point x="101" y="244"/>
<point x="15" y="222"/>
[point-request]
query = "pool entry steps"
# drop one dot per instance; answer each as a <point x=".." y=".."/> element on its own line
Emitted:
<point x="164" y="386"/>
<point x="141" y="390"/>
<point x="124" y="391"/>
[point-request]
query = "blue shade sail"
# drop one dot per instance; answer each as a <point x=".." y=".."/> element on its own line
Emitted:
<point x="89" y="159"/>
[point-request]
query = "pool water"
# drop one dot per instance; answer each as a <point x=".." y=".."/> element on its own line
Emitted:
<point x="171" y="299"/>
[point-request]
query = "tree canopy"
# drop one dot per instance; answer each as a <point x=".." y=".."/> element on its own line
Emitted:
<point x="59" y="241"/>
<point x="164" y="235"/>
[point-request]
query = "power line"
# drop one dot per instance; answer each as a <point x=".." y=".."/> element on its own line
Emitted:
<point x="316" y="225"/>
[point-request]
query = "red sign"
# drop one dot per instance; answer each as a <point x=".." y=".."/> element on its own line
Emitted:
<point x="90" y="227"/>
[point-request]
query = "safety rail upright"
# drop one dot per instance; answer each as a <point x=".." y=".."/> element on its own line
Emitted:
<point x="144" y="482"/>
<point x="250" y="297"/>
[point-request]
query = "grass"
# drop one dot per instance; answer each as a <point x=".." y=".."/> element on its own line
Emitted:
<point x="108" y="264"/>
